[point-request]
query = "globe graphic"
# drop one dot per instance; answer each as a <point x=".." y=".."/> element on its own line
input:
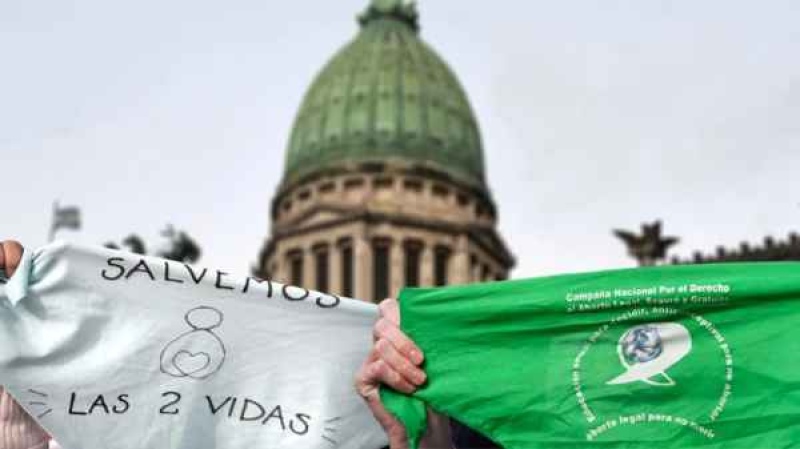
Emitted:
<point x="641" y="344"/>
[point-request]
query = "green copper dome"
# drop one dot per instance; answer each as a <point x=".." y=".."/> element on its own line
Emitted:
<point x="386" y="96"/>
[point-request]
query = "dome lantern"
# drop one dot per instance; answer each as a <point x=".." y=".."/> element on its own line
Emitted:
<point x="393" y="9"/>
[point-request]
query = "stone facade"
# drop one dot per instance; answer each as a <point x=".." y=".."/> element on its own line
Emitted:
<point x="346" y="232"/>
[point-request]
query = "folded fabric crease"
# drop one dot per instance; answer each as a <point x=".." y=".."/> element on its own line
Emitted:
<point x="16" y="288"/>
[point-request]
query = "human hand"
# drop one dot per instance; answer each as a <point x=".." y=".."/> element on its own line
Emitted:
<point x="17" y="429"/>
<point x="10" y="257"/>
<point x="394" y="361"/>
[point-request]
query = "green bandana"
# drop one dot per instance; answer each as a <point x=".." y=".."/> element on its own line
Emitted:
<point x="669" y="357"/>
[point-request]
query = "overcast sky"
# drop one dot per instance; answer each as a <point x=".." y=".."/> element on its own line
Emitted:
<point x="595" y="115"/>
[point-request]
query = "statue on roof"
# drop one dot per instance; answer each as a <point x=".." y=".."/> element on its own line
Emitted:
<point x="649" y="247"/>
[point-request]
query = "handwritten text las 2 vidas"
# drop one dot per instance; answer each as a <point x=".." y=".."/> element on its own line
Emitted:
<point x="119" y="268"/>
<point x="243" y="410"/>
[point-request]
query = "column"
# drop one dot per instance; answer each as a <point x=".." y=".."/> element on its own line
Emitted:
<point x="426" y="265"/>
<point x="282" y="274"/>
<point x="309" y="269"/>
<point x="335" y="268"/>
<point x="363" y="267"/>
<point x="459" y="269"/>
<point x="396" y="267"/>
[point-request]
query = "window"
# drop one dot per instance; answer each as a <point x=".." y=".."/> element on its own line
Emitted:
<point x="353" y="183"/>
<point x="413" y="185"/>
<point x="473" y="267"/>
<point x="321" y="265"/>
<point x="296" y="268"/>
<point x="347" y="270"/>
<point x="383" y="183"/>
<point x="413" y="252"/>
<point x="380" y="267"/>
<point x="485" y="273"/>
<point x="440" y="265"/>
<point x="328" y="187"/>
<point x="440" y="191"/>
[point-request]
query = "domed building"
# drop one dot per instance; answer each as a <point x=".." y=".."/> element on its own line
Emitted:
<point x="384" y="183"/>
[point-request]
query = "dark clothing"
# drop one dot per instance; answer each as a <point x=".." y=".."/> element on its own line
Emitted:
<point x="465" y="438"/>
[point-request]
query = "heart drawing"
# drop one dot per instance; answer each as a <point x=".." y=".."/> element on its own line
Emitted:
<point x="190" y="363"/>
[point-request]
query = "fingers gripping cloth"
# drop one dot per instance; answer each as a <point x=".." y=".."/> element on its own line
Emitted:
<point x="673" y="357"/>
<point x="17" y="429"/>
<point x="111" y="350"/>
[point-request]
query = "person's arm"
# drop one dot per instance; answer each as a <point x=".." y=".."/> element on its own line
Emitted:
<point x="395" y="361"/>
<point x="17" y="429"/>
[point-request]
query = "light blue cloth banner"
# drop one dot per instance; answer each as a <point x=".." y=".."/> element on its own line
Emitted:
<point x="111" y="350"/>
